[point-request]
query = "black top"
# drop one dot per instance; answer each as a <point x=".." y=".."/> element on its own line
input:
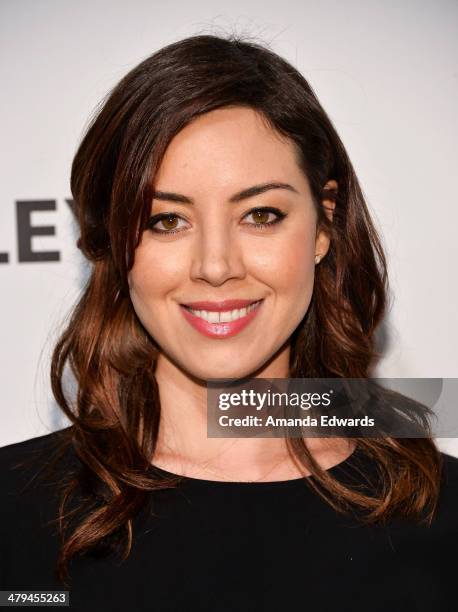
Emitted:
<point x="234" y="546"/>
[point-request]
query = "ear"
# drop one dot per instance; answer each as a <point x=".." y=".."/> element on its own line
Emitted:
<point x="322" y="240"/>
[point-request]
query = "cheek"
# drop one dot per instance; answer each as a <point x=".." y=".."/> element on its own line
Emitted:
<point x="288" y="264"/>
<point x="147" y="283"/>
<point x="138" y="291"/>
<point x="153" y="274"/>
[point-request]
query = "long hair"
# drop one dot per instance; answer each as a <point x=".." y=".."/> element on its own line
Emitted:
<point x="116" y="411"/>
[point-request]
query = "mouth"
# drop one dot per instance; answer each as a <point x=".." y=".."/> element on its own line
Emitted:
<point x="219" y="323"/>
<point x="218" y="314"/>
<point x="220" y="306"/>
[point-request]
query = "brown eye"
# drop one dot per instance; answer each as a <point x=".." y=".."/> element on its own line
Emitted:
<point x="260" y="216"/>
<point x="170" y="222"/>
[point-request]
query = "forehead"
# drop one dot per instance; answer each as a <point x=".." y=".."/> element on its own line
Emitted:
<point x="227" y="147"/>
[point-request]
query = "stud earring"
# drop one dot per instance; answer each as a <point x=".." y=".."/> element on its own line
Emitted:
<point x="317" y="259"/>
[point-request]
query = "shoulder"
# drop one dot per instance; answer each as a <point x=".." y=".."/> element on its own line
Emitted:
<point x="13" y="455"/>
<point x="17" y="449"/>
<point x="444" y="524"/>
<point x="24" y="466"/>
<point x="447" y="508"/>
<point x="449" y="470"/>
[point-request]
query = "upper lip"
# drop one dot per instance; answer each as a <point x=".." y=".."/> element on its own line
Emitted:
<point x="220" y="306"/>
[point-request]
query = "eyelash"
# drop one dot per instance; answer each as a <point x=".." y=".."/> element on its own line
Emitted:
<point x="259" y="226"/>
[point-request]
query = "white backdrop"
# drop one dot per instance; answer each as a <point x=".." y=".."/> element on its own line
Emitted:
<point x="384" y="71"/>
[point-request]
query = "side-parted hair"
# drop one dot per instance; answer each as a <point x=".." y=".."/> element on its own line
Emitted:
<point x="116" y="410"/>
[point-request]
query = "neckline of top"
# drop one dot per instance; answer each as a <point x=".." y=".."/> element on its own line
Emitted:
<point x="252" y="484"/>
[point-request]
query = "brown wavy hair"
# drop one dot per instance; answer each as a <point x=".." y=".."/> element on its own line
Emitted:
<point x="115" y="412"/>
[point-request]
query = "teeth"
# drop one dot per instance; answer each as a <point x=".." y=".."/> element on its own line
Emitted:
<point x="225" y="316"/>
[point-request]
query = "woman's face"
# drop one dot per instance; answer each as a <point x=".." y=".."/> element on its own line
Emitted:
<point x="218" y="248"/>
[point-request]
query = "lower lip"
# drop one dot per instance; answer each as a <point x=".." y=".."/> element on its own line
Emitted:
<point x="220" y="330"/>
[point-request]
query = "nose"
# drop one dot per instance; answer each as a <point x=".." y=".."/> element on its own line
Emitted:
<point x="217" y="253"/>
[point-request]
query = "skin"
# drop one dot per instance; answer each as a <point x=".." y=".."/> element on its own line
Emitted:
<point x="219" y="254"/>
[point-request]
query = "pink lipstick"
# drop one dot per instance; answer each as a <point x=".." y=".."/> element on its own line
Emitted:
<point x="220" y="319"/>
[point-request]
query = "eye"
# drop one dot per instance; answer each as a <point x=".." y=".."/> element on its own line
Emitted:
<point x="260" y="215"/>
<point x="168" y="220"/>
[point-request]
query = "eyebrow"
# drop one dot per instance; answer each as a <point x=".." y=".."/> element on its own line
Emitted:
<point x="238" y="197"/>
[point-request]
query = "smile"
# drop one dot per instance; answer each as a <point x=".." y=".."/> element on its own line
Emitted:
<point x="222" y="324"/>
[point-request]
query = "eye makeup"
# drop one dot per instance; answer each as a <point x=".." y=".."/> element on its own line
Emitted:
<point x="167" y="216"/>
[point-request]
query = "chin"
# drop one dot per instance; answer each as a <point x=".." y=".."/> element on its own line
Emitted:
<point x="223" y="372"/>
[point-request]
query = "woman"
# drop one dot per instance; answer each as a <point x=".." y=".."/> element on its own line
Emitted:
<point x="212" y="181"/>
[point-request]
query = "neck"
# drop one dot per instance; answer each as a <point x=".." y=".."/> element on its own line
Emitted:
<point x="184" y="448"/>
